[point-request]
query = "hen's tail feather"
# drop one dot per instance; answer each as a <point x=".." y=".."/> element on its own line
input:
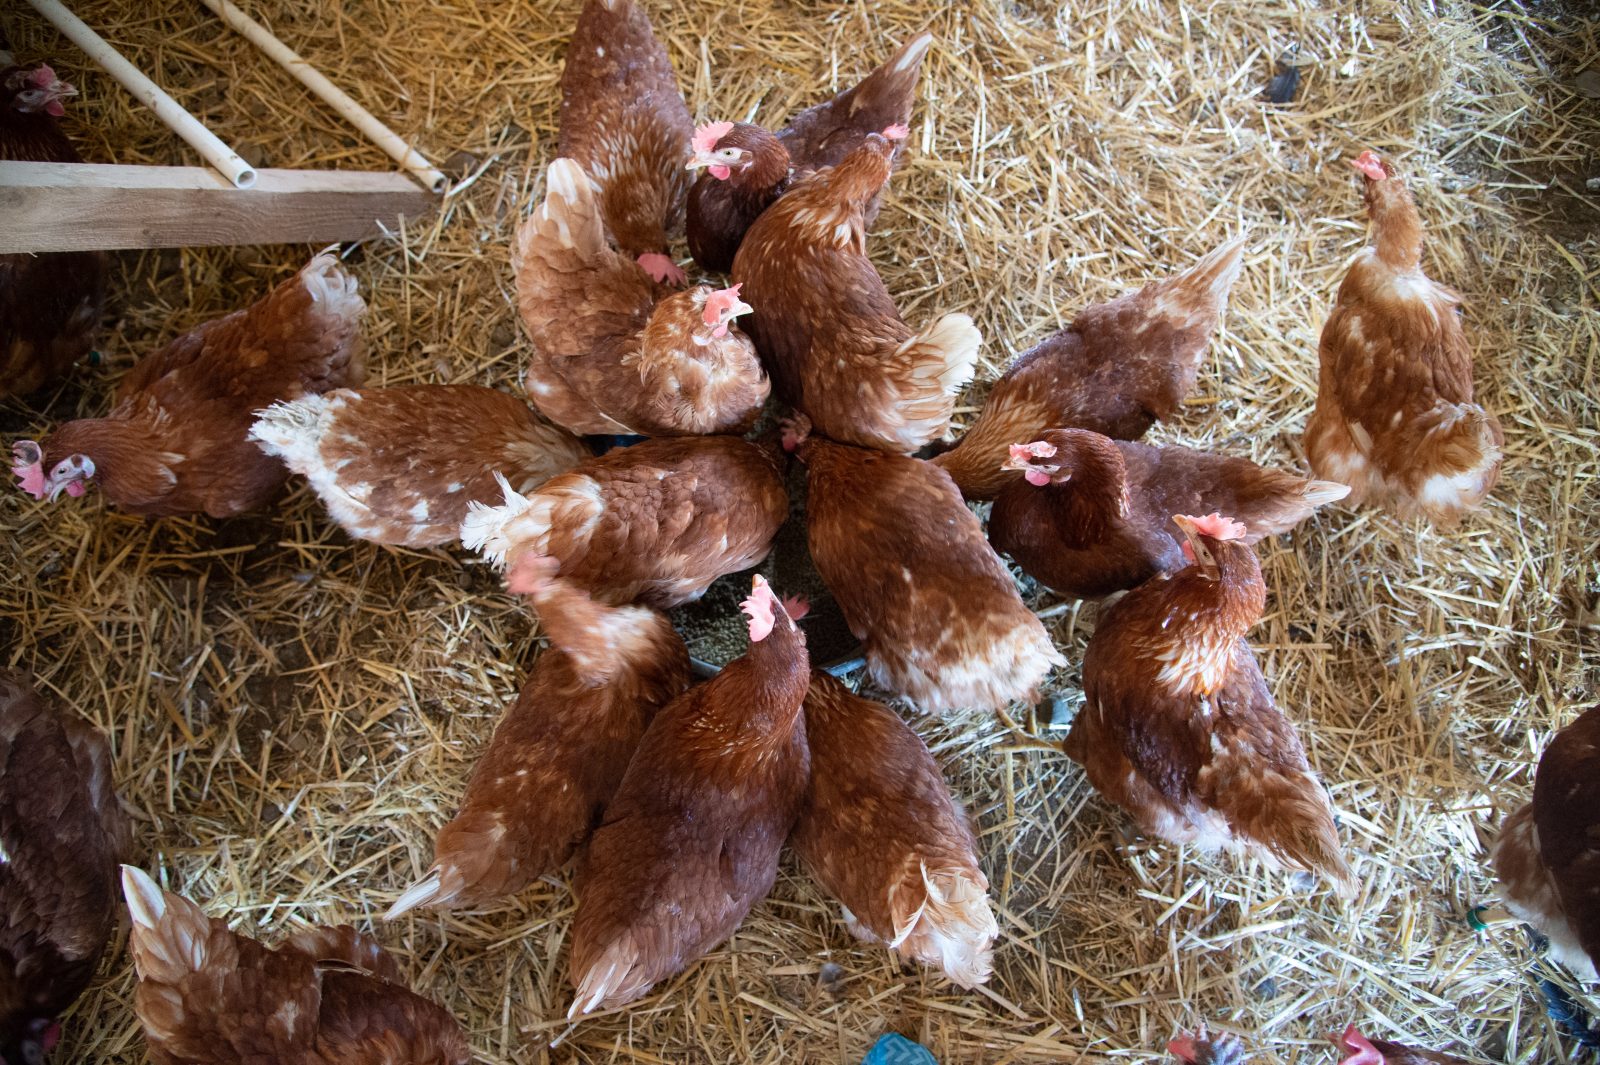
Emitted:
<point x="487" y="529"/>
<point x="293" y="430"/>
<point x="946" y="351"/>
<point x="1294" y="823"/>
<point x="610" y="979"/>
<point x="569" y="217"/>
<point x="429" y="891"/>
<point x="1321" y="493"/>
<point x="343" y="943"/>
<point x="334" y="293"/>
<point x="885" y="96"/>
<point x="170" y="933"/>
<point x="950" y="926"/>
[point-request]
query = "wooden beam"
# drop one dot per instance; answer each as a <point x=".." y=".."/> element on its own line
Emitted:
<point x="89" y="206"/>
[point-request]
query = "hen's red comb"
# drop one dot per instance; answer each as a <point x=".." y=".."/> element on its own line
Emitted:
<point x="1361" y="1050"/>
<point x="1039" y="449"/>
<point x="707" y="136"/>
<point x="758" y="608"/>
<point x="720" y="301"/>
<point x="1370" y="165"/>
<point x="1218" y="527"/>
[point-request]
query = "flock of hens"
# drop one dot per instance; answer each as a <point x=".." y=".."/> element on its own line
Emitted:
<point x="675" y="798"/>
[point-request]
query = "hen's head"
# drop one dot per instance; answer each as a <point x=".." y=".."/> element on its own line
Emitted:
<point x="32" y="1043"/>
<point x="1380" y="187"/>
<point x="1202" y="1048"/>
<point x="38" y="90"/>
<point x="70" y="475"/>
<point x="721" y="308"/>
<point x="716" y="147"/>
<point x="1360" y="1049"/>
<point x="1209" y="540"/>
<point x="1034" y="462"/>
<point x="765" y="612"/>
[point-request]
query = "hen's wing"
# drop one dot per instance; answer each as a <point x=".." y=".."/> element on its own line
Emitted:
<point x="624" y="121"/>
<point x="344" y="945"/>
<point x="583" y="303"/>
<point x="1170" y="480"/>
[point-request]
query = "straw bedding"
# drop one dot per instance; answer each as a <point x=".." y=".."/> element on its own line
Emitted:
<point x="294" y="714"/>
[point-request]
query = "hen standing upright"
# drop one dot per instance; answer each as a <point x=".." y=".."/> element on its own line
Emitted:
<point x="827" y="328"/>
<point x="1093" y="515"/>
<point x="918" y="584"/>
<point x="1394" y="417"/>
<point x="882" y="834"/>
<point x="748" y="167"/>
<point x="690" y="841"/>
<point x="61" y="834"/>
<point x="401" y="465"/>
<point x="1117" y="369"/>
<point x="177" y="441"/>
<point x="1178" y="726"/>
<point x="327" y="996"/>
<point x="557" y="755"/>
<point x="623" y="120"/>
<point x="615" y="352"/>
<point x="1547" y="858"/>
<point x="49" y="304"/>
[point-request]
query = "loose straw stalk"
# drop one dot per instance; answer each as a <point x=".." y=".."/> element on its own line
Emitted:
<point x="198" y="137"/>
<point x="381" y="135"/>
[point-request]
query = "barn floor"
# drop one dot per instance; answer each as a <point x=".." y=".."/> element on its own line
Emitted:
<point x="293" y="714"/>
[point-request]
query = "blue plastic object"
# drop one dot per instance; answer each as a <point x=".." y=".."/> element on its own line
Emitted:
<point x="895" y="1049"/>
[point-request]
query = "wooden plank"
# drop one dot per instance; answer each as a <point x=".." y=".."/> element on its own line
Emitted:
<point x="88" y="206"/>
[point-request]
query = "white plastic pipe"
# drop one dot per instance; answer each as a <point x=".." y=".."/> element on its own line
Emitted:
<point x="185" y="125"/>
<point x="408" y="157"/>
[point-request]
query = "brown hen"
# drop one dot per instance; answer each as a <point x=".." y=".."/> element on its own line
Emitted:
<point x="1364" y="1051"/>
<point x="690" y="841"/>
<point x="555" y="760"/>
<point x="400" y="465"/>
<point x="325" y="997"/>
<point x="1394" y="417"/>
<point x="747" y="167"/>
<point x="1117" y="369"/>
<point x="1547" y="858"/>
<point x="908" y="564"/>
<point x="880" y="832"/>
<point x="826" y="327"/>
<point x="1093" y="516"/>
<point x="1178" y="726"/>
<point x="177" y="441"/>
<point x="61" y="835"/>
<point x="623" y="120"/>
<point x="615" y="352"/>
<point x="50" y="303"/>
<point x="654" y="523"/>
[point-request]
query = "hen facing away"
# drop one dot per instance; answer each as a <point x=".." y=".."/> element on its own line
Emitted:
<point x="654" y="523"/>
<point x="61" y="835"/>
<point x="623" y="120"/>
<point x="826" y="327"/>
<point x="1547" y="858"/>
<point x="748" y="167"/>
<point x="880" y="831"/>
<point x="401" y="465"/>
<point x="1093" y="516"/>
<point x="177" y="440"/>
<point x="1394" y="417"/>
<point x="50" y="303"/>
<point x="1178" y="726"/>
<point x="327" y="996"/>
<point x="557" y="756"/>
<point x="908" y="564"/>
<point x="690" y="841"/>
<point x="1117" y="369"/>
<point x="615" y="352"/>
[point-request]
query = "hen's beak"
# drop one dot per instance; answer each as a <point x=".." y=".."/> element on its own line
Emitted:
<point x="699" y="160"/>
<point x="737" y="308"/>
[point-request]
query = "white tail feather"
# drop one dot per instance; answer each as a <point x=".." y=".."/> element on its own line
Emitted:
<point x="424" y="892"/>
<point x="952" y="927"/>
<point x="605" y="978"/>
<point x="293" y="431"/>
<point x="169" y="931"/>
<point x="1318" y="493"/>
<point x="486" y="528"/>
<point x="331" y="289"/>
<point x="569" y="216"/>
<point x="950" y="351"/>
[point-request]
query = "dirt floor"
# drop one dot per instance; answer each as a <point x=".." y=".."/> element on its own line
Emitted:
<point x="294" y="714"/>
